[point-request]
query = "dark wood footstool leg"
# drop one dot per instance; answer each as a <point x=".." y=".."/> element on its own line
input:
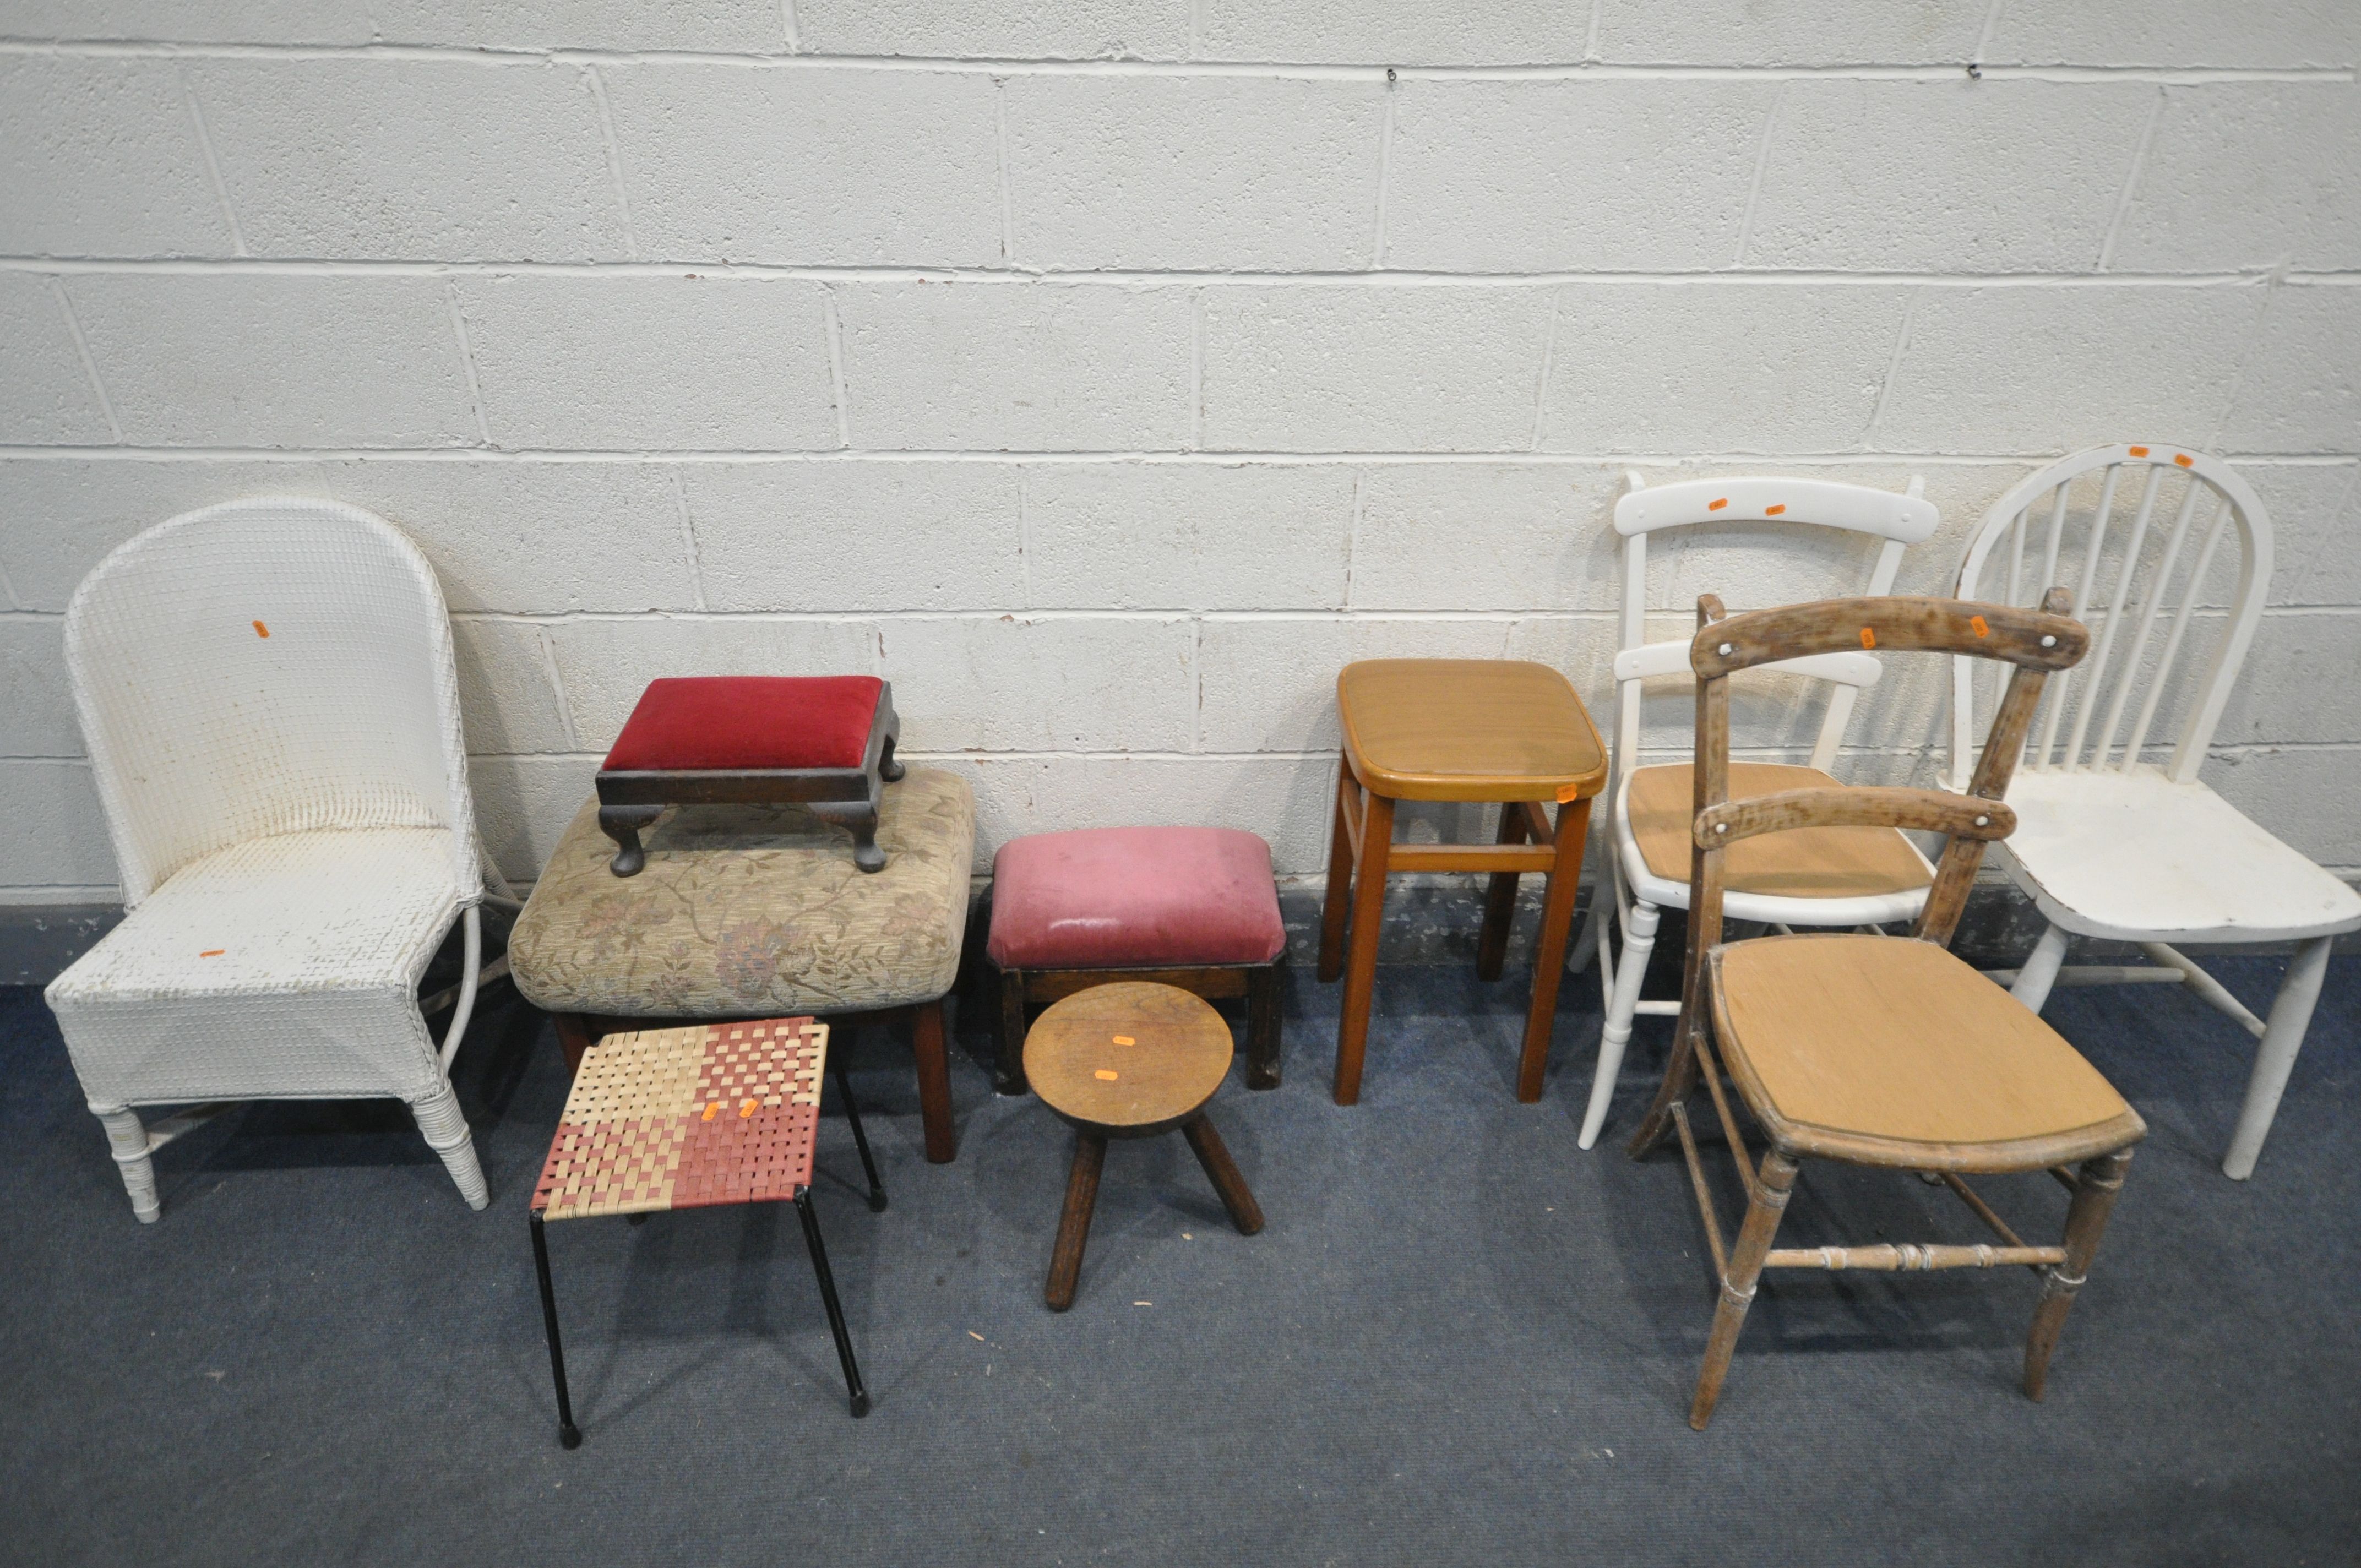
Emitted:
<point x="1337" y="903"/>
<point x="934" y="1080"/>
<point x="819" y="1251"/>
<point x="1074" y="1223"/>
<point x="568" y="1434"/>
<point x="887" y="768"/>
<point x="574" y="1037"/>
<point x="1008" y="1061"/>
<point x="1262" y="1026"/>
<point x="622" y="824"/>
<point x="1215" y="1155"/>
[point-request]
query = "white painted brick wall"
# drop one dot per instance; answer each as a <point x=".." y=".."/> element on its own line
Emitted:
<point x="1106" y="374"/>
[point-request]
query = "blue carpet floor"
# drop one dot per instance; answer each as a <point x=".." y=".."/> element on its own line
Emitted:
<point x="1460" y="1340"/>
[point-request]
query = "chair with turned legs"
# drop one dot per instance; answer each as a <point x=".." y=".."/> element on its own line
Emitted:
<point x="1874" y="1051"/>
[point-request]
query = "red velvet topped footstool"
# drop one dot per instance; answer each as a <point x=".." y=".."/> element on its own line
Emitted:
<point x="1194" y="907"/>
<point x="824" y="741"/>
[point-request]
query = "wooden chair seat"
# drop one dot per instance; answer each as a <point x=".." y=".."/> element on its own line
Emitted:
<point x="1809" y="862"/>
<point x="1889" y="1050"/>
<point x="1482" y="729"/>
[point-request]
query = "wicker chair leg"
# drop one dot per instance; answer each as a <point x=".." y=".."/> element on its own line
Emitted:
<point x="126" y="1138"/>
<point x="445" y="1130"/>
<point x="1763" y="1211"/>
<point x="2095" y="1185"/>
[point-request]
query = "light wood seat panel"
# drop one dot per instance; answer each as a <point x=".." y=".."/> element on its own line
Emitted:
<point x="1485" y="729"/>
<point x="1805" y="862"/>
<point x="1893" y="1039"/>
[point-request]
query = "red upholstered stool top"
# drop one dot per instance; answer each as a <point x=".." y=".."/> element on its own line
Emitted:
<point x="749" y="721"/>
<point x="1133" y="897"/>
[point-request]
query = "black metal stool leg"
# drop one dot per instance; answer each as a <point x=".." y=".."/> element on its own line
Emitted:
<point x="828" y="1298"/>
<point x="859" y="1139"/>
<point x="568" y="1434"/>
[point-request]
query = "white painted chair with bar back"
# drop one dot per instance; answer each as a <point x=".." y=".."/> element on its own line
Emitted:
<point x="2117" y="839"/>
<point x="1821" y="877"/>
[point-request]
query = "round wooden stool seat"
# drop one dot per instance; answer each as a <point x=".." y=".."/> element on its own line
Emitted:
<point x="1130" y="1059"/>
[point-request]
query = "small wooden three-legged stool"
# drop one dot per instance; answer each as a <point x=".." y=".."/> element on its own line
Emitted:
<point x="1130" y="1059"/>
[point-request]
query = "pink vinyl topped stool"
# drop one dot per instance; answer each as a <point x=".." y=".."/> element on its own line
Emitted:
<point x="1192" y="907"/>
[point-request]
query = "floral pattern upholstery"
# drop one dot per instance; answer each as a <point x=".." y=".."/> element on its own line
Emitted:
<point x="746" y="911"/>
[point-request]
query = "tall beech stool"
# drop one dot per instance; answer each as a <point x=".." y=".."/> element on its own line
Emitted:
<point x="1130" y="1059"/>
<point x="694" y="1118"/>
<point x="755" y="911"/>
<point x="1195" y="907"/>
<point x="1475" y="729"/>
<point x="824" y="741"/>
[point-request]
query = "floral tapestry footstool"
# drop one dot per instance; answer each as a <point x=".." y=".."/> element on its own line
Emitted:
<point x="758" y="911"/>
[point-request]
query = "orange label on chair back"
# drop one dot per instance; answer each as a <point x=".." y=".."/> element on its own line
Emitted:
<point x="2183" y="459"/>
<point x="1716" y="506"/>
<point x="1976" y="623"/>
<point x="1868" y="638"/>
<point x="2136" y="451"/>
<point x="1774" y="511"/>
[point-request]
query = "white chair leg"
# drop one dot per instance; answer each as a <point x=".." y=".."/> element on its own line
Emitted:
<point x="2040" y="970"/>
<point x="2282" y="1038"/>
<point x="446" y="1133"/>
<point x="126" y="1138"/>
<point x="1639" y="942"/>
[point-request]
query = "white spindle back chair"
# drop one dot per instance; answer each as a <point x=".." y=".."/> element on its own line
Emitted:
<point x="2118" y="839"/>
<point x="1640" y="894"/>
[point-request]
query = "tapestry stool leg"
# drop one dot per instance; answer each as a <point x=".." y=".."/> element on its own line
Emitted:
<point x="1008" y="1058"/>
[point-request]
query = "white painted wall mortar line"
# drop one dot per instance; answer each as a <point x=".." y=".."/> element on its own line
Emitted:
<point x="1984" y="37"/>
<point x="688" y="535"/>
<point x="1025" y="535"/>
<point x="1216" y="458"/>
<point x="467" y="360"/>
<point x="787" y="27"/>
<point x="1754" y="182"/>
<point x="82" y="348"/>
<point x="1893" y="369"/>
<point x="1542" y="382"/>
<point x="1353" y="534"/>
<point x="1196" y="28"/>
<point x="1282" y="70"/>
<point x="614" y="158"/>
<point x="1000" y="171"/>
<point x="1385" y="176"/>
<point x="213" y="163"/>
<point x="2131" y="180"/>
<point x="1196" y="370"/>
<point x="833" y="327"/>
<point x="1134" y="279"/>
<point x="2247" y="352"/>
<point x="1591" y="33"/>
<point x="557" y="689"/>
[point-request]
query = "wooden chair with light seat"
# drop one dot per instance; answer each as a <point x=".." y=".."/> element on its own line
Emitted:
<point x="1825" y="877"/>
<point x="1877" y="1050"/>
<point x="1456" y="730"/>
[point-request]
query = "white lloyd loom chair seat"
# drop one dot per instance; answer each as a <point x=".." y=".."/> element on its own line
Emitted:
<point x="2117" y="838"/>
<point x="268" y="692"/>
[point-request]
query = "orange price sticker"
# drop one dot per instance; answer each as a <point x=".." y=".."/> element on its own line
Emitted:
<point x="1977" y="622"/>
<point x="213" y="952"/>
<point x="1103" y="1076"/>
<point x="2183" y="459"/>
<point x="1568" y="793"/>
<point x="1124" y="1040"/>
<point x="1716" y="506"/>
<point x="747" y="1109"/>
<point x="712" y="1110"/>
<point x="1868" y="638"/>
<point x="2137" y="451"/>
<point x="261" y="629"/>
<point x="1774" y="511"/>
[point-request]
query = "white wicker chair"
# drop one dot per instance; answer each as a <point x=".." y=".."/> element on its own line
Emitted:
<point x="271" y="701"/>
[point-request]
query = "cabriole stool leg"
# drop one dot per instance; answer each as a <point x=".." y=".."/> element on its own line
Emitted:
<point x="568" y="1434"/>
<point x="818" y="1250"/>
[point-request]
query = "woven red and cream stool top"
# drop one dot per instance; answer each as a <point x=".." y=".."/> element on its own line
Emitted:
<point x="691" y="1118"/>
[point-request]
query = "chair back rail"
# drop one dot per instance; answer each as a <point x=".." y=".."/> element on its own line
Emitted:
<point x="2141" y="586"/>
<point x="1894" y="521"/>
<point x="2036" y="643"/>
